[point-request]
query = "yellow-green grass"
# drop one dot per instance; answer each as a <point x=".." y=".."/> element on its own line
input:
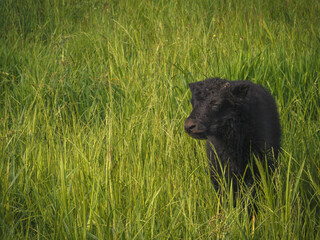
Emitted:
<point x="93" y="99"/>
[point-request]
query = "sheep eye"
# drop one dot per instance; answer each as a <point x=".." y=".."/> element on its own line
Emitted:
<point x="214" y="105"/>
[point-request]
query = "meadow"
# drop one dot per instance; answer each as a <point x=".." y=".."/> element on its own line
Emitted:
<point x="93" y="99"/>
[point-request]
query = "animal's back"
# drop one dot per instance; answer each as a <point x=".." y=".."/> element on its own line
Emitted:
<point x="264" y="119"/>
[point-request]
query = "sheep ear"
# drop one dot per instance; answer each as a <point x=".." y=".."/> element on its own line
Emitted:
<point x="192" y="86"/>
<point x="240" y="90"/>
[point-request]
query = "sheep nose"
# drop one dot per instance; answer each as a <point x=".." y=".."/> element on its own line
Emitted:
<point x="190" y="125"/>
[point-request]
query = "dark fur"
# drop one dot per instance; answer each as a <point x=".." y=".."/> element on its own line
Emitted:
<point x="238" y="119"/>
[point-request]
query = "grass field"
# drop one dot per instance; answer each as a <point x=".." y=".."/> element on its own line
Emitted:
<point x="93" y="99"/>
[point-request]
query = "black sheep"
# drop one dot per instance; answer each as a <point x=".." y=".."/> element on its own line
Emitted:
<point x="238" y="119"/>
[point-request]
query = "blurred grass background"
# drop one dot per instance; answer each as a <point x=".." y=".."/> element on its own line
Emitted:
<point x="94" y="95"/>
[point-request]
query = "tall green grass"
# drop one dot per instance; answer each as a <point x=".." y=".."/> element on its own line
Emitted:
<point x="93" y="99"/>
